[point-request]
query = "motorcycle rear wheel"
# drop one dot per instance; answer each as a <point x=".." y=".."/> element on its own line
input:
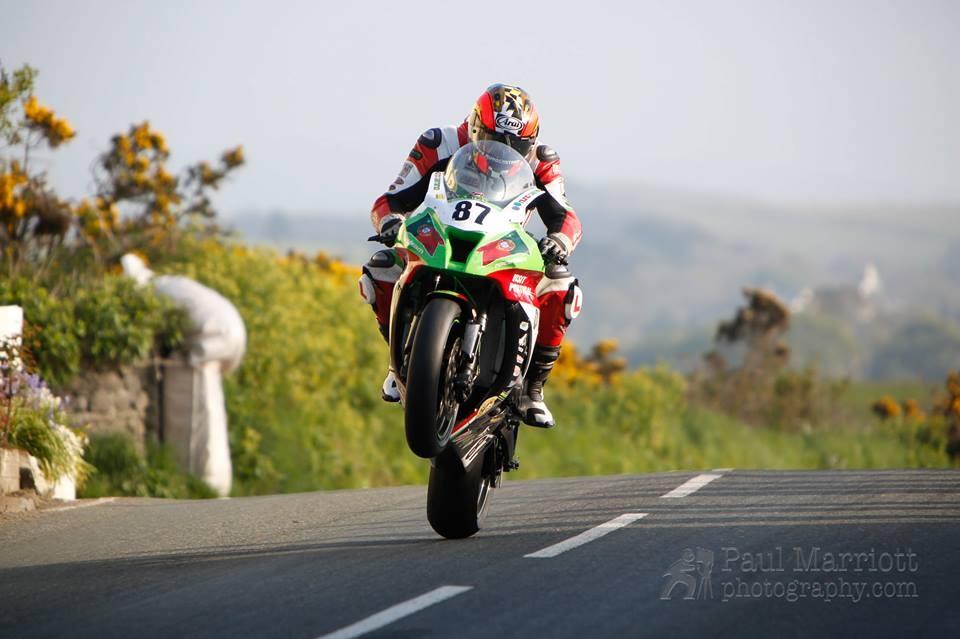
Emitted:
<point x="430" y="409"/>
<point x="457" y="499"/>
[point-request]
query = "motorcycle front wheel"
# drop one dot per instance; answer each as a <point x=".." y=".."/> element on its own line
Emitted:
<point x="431" y="407"/>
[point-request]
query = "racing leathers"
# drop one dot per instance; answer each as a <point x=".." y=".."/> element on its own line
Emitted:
<point x="559" y="294"/>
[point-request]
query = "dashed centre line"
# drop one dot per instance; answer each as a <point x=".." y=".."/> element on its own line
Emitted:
<point x="691" y="486"/>
<point x="587" y="536"/>
<point x="409" y="607"/>
<point x="399" y="611"/>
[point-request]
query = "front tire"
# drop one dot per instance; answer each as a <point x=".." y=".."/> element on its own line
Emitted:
<point x="430" y="409"/>
<point x="457" y="499"/>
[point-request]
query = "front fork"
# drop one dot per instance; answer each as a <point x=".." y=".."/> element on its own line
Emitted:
<point x="469" y="355"/>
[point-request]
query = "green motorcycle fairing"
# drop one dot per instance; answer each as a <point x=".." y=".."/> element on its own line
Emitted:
<point x="471" y="236"/>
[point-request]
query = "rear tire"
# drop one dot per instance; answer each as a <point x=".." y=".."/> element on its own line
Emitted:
<point x="429" y="412"/>
<point x="457" y="499"/>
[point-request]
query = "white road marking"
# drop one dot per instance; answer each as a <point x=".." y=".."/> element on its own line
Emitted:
<point x="691" y="485"/>
<point x="399" y="611"/>
<point x="723" y="470"/>
<point x="587" y="536"/>
<point x="85" y="504"/>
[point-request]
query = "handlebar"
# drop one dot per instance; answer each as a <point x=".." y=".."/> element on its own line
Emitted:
<point x="561" y="261"/>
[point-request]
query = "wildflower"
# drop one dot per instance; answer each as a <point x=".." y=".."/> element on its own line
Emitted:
<point x="159" y="142"/>
<point x="886" y="408"/>
<point x="207" y="175"/>
<point x="142" y="136"/>
<point x="41" y="118"/>
<point x="912" y="410"/>
<point x="123" y="143"/>
<point x="233" y="158"/>
<point x="163" y="177"/>
<point x="36" y="112"/>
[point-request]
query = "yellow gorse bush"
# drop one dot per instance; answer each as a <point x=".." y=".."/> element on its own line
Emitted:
<point x="97" y="217"/>
<point x="887" y="407"/>
<point x="601" y="367"/>
<point x="42" y="119"/>
<point x="12" y="202"/>
<point x="912" y="410"/>
<point x="233" y="157"/>
<point x="138" y="203"/>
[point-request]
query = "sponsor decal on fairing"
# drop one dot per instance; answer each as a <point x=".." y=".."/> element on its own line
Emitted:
<point x="424" y="232"/>
<point x="510" y="244"/>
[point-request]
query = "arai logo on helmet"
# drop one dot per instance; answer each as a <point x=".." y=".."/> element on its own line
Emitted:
<point x="509" y="123"/>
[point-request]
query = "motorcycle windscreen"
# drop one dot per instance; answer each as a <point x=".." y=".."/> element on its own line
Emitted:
<point x="488" y="171"/>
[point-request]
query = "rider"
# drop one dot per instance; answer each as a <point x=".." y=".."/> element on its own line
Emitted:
<point x="506" y="114"/>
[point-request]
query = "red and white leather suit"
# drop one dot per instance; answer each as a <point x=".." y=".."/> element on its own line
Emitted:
<point x="558" y="293"/>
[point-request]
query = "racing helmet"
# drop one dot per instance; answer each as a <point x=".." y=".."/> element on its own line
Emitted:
<point x="506" y="114"/>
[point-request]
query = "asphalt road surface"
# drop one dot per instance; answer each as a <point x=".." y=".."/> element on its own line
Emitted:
<point x="721" y="553"/>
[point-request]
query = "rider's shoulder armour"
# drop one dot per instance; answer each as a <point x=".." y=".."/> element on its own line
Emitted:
<point x="431" y="138"/>
<point x="547" y="154"/>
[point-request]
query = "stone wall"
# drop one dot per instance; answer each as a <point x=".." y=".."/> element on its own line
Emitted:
<point x="115" y="401"/>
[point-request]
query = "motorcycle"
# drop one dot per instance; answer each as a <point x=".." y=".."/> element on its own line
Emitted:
<point x="464" y="320"/>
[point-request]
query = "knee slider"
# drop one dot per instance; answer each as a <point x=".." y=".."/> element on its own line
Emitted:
<point x="368" y="291"/>
<point x="573" y="302"/>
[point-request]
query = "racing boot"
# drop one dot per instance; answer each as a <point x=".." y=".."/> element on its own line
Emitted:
<point x="532" y="406"/>
<point x="390" y="392"/>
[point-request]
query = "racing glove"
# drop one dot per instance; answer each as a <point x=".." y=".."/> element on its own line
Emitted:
<point x="389" y="229"/>
<point x="553" y="249"/>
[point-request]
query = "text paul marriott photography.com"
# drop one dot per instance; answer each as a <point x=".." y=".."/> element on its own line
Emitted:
<point x="792" y="574"/>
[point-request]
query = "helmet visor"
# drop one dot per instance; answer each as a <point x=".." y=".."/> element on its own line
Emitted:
<point x="520" y="145"/>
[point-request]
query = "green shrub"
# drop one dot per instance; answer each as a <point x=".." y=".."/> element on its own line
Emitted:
<point x="121" y="470"/>
<point x="51" y="335"/>
<point x="32" y="433"/>
<point x="119" y="321"/>
<point x="304" y="408"/>
<point x="107" y="322"/>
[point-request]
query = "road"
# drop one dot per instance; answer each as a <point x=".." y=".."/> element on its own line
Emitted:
<point x="863" y="553"/>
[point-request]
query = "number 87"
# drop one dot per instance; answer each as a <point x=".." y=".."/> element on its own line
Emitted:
<point x="461" y="212"/>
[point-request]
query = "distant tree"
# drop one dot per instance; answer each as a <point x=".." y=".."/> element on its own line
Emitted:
<point x="761" y="389"/>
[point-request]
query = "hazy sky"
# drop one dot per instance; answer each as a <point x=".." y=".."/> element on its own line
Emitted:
<point x="789" y="101"/>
